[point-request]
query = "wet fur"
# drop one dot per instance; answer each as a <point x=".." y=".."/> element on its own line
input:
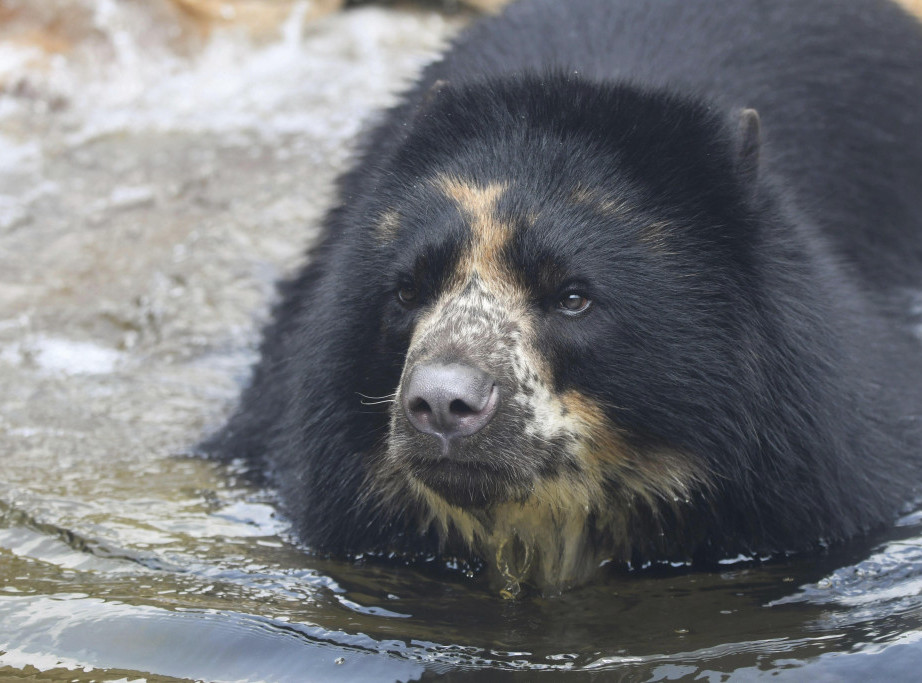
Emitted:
<point x="746" y="381"/>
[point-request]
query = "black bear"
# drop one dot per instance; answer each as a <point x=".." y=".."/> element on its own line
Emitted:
<point x="617" y="280"/>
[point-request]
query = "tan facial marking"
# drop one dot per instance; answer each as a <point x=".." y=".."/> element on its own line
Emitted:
<point x="914" y="6"/>
<point x="489" y="235"/>
<point x="599" y="202"/>
<point x="654" y="235"/>
<point x="387" y="226"/>
<point x="657" y="477"/>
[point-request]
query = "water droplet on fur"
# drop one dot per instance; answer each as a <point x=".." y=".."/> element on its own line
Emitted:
<point x="511" y="590"/>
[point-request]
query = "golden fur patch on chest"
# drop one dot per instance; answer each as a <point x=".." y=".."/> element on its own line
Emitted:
<point x="567" y="525"/>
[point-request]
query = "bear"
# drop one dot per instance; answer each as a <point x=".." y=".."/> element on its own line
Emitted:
<point x="618" y="283"/>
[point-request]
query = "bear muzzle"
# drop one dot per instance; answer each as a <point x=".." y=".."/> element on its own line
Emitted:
<point x="450" y="401"/>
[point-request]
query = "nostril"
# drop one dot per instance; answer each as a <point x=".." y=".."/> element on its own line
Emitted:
<point x="460" y="408"/>
<point x="419" y="405"/>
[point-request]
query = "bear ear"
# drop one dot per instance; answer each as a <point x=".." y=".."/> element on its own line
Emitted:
<point x="748" y="144"/>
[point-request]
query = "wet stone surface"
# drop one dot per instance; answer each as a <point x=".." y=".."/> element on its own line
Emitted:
<point x="154" y="182"/>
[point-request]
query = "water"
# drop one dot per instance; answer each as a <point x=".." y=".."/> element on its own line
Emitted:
<point x="155" y="180"/>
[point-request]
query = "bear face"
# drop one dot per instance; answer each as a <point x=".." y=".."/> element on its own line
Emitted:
<point x="562" y="319"/>
<point x="537" y="272"/>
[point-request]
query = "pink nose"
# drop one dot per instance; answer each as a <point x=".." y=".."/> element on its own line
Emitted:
<point x="450" y="400"/>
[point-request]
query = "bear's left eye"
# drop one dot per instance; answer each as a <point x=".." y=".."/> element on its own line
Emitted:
<point x="573" y="303"/>
<point x="407" y="294"/>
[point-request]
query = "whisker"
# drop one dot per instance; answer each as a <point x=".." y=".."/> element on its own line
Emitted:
<point x="376" y="398"/>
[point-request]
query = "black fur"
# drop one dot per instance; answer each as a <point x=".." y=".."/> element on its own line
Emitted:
<point x="767" y="335"/>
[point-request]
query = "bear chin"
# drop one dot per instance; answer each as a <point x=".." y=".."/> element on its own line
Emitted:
<point x="465" y="486"/>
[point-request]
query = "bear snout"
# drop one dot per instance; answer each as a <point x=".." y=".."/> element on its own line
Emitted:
<point x="450" y="400"/>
